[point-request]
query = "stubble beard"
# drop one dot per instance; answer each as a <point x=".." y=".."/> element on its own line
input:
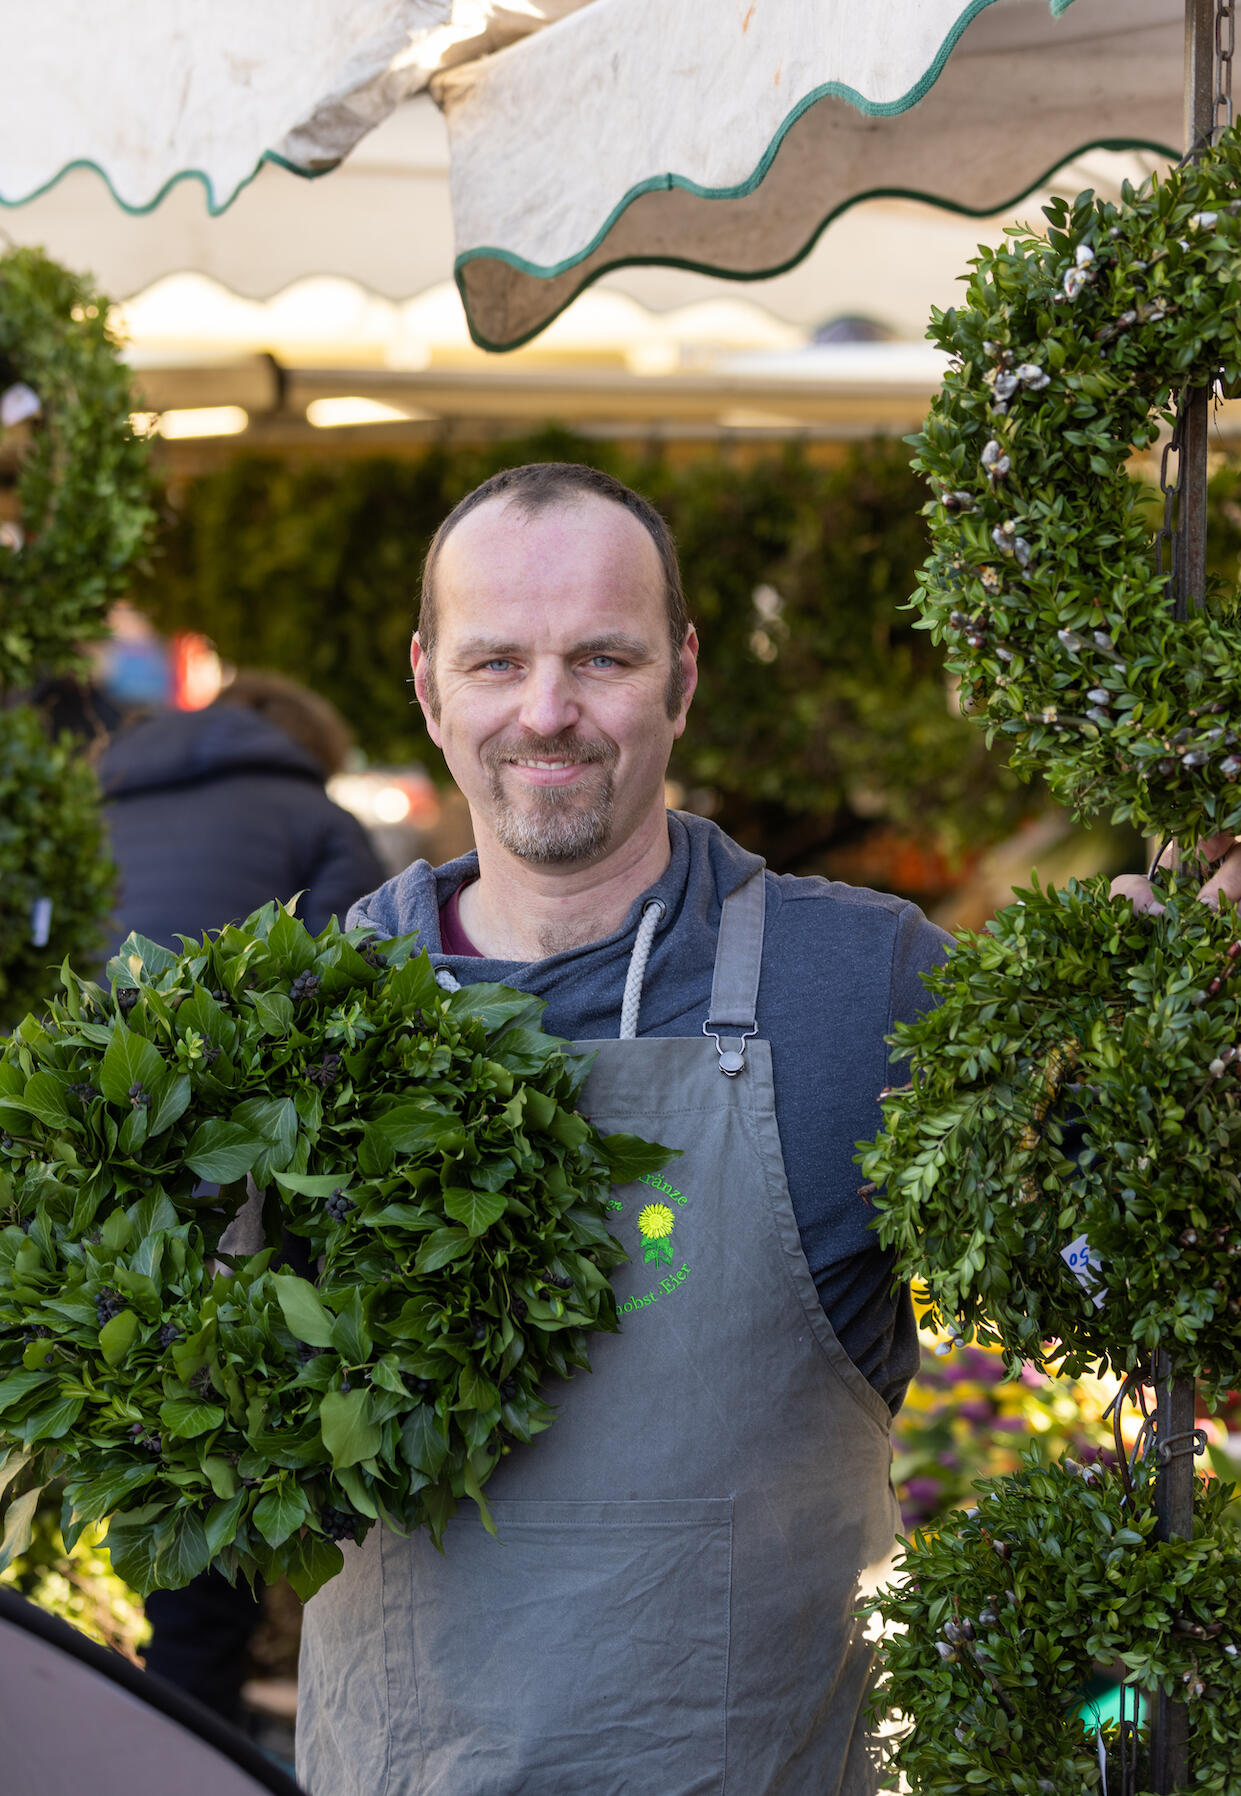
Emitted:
<point x="554" y="825"/>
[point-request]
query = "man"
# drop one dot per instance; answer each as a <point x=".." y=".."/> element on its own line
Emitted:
<point x="669" y="1607"/>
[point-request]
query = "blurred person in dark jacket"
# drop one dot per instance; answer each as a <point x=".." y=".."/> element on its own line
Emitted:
<point x="212" y="814"/>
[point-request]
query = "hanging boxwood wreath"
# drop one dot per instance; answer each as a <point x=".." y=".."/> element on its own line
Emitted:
<point x="1007" y="1611"/>
<point x="1043" y="579"/>
<point x="425" y="1148"/>
<point x="82" y="481"/>
<point x="56" y="880"/>
<point x="1126" y="1236"/>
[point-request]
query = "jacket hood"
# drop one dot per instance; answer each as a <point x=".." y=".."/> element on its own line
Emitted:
<point x="180" y="748"/>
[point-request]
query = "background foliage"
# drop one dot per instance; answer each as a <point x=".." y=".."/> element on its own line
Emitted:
<point x="52" y="845"/>
<point x="821" y="707"/>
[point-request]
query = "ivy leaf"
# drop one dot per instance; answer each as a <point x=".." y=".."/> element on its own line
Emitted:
<point x="474" y="1210"/>
<point x="184" y="1419"/>
<point x="315" y="1561"/>
<point x="423" y="1441"/>
<point x="170" y="1097"/>
<point x="128" y="1060"/>
<point x="18" y="1527"/>
<point x="44" y="1097"/>
<point x="441" y="1248"/>
<point x="183" y="1555"/>
<point x="628" y="1157"/>
<point x="223" y="1151"/>
<point x="116" y="1337"/>
<point x="280" y="1511"/>
<point x="349" y="1433"/>
<point x="304" y="1314"/>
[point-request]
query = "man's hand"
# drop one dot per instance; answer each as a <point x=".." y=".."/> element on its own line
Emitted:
<point x="1223" y="852"/>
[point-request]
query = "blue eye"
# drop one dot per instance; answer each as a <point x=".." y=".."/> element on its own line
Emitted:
<point x="604" y="661"/>
<point x="500" y="661"/>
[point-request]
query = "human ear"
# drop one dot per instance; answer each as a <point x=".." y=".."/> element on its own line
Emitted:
<point x="689" y="675"/>
<point x="424" y="689"/>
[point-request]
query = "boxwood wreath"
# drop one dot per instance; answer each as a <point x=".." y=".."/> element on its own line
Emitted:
<point x="1042" y="580"/>
<point x="82" y="483"/>
<point x="1013" y="1639"/>
<point x="1079" y="1077"/>
<point x="1070" y="1012"/>
<point x="426" y="1151"/>
<point x="56" y="877"/>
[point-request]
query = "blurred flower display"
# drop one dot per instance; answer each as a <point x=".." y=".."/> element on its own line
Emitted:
<point x="963" y="1420"/>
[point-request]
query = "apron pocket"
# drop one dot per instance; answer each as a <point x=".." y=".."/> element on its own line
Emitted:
<point x="585" y="1650"/>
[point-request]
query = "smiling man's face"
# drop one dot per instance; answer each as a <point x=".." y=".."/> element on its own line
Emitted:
<point x="553" y="676"/>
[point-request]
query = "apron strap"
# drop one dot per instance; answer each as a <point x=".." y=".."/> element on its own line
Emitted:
<point x="733" y="1017"/>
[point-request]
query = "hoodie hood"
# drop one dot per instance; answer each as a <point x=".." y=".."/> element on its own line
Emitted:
<point x="180" y="748"/>
<point x="584" y="986"/>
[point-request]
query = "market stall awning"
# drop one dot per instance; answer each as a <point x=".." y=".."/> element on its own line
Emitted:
<point x="725" y="137"/>
<point x="150" y="92"/>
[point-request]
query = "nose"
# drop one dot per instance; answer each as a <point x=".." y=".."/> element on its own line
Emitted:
<point x="548" y="705"/>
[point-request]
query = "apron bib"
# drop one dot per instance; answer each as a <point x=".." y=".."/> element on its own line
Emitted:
<point x="668" y="1608"/>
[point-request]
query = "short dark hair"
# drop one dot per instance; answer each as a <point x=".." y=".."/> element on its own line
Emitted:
<point x="536" y="487"/>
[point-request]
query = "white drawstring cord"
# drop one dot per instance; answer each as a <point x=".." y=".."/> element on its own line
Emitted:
<point x="652" y="916"/>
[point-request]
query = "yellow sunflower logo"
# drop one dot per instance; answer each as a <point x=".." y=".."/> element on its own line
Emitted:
<point x="655" y="1225"/>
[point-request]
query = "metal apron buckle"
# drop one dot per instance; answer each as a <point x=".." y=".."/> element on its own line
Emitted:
<point x="732" y="1057"/>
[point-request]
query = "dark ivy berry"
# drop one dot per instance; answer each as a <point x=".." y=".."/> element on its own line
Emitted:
<point x="210" y="1053"/>
<point x="338" y="1205"/>
<point x="84" y="1092"/>
<point x="37" y="1333"/>
<point x="202" y="1383"/>
<point x="139" y="1096"/>
<point x="371" y="955"/>
<point x="519" y="1307"/>
<point x="224" y="999"/>
<point x="561" y="1282"/>
<point x="337" y="1524"/>
<point x="153" y="1444"/>
<point x="126" y="998"/>
<point x="305" y="1352"/>
<point x="324" y="1072"/>
<point x="305" y="987"/>
<point x="107" y="1304"/>
<point x="419" y="1387"/>
<point x="169" y="1333"/>
<point x="508" y="1390"/>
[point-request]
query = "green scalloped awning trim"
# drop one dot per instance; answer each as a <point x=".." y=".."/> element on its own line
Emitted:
<point x="214" y="208"/>
<point x="878" y="109"/>
<point x="757" y="274"/>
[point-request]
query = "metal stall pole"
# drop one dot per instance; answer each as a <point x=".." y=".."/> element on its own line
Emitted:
<point x="1208" y="50"/>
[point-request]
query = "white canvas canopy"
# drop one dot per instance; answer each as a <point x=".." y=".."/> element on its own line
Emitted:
<point x="725" y="136"/>
<point x="149" y="92"/>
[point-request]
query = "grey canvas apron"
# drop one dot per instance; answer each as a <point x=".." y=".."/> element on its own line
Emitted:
<point x="668" y="1609"/>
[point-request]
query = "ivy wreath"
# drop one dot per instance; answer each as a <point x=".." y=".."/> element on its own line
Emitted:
<point x="1063" y="1171"/>
<point x="1043" y="579"/>
<point x="426" y="1151"/>
<point x="82" y="486"/>
<point x="1009" y="1608"/>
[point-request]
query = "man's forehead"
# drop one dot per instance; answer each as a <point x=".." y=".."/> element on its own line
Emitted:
<point x="575" y="528"/>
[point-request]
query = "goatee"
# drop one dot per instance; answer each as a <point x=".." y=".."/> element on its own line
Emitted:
<point x="554" y="825"/>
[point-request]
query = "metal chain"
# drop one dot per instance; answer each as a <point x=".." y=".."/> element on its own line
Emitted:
<point x="1225" y="44"/>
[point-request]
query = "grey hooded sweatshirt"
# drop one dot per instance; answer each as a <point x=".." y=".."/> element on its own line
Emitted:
<point x="840" y="966"/>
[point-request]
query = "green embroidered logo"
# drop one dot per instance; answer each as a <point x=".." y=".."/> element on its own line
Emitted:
<point x="655" y="1225"/>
